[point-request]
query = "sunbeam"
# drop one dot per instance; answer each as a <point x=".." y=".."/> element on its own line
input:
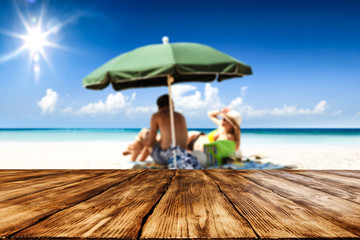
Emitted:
<point x="35" y="39"/>
<point x="12" y="55"/>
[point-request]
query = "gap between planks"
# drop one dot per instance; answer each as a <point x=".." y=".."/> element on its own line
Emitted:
<point x="232" y="204"/>
<point x="194" y="208"/>
<point x="163" y="194"/>
<point x="12" y="236"/>
<point x="122" y="209"/>
<point x="145" y="218"/>
<point x="330" y="207"/>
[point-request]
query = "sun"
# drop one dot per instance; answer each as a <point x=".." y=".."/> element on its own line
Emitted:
<point x="35" y="40"/>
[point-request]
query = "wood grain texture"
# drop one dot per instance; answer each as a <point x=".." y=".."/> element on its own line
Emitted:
<point x="325" y="182"/>
<point x="19" y="213"/>
<point x="341" y="212"/>
<point x="16" y="175"/>
<point x="332" y="178"/>
<point x="352" y="173"/>
<point x="14" y="189"/>
<point x="116" y="213"/>
<point x="271" y="215"/>
<point x="193" y="207"/>
<point x="134" y="204"/>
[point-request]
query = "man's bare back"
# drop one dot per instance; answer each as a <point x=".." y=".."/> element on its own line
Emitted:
<point x="161" y="120"/>
<point x="150" y="142"/>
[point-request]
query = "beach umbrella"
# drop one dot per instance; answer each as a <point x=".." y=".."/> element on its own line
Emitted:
<point x="163" y="65"/>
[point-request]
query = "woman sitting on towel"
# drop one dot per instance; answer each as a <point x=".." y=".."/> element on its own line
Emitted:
<point x="228" y="129"/>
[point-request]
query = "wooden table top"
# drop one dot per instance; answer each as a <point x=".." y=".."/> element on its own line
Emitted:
<point x="218" y="204"/>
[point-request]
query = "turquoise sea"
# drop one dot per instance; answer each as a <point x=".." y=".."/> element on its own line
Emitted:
<point x="350" y="137"/>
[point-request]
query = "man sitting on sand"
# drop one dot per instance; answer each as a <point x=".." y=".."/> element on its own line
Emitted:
<point x="148" y="142"/>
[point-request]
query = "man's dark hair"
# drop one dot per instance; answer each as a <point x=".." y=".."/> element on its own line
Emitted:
<point x="163" y="101"/>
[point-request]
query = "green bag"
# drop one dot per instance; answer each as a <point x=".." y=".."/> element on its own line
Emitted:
<point x="216" y="151"/>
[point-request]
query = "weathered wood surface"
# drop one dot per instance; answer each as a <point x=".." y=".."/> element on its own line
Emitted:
<point x="141" y="204"/>
<point x="341" y="212"/>
<point x="193" y="207"/>
<point x="21" y="186"/>
<point x="11" y="175"/>
<point x="272" y="215"/>
<point x="22" y="212"/>
<point x="116" y="213"/>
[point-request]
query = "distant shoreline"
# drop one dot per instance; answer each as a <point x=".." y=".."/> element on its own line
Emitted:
<point x="249" y="136"/>
<point x="193" y="128"/>
<point x="244" y="130"/>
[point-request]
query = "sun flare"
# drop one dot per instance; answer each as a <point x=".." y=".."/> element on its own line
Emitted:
<point x="35" y="40"/>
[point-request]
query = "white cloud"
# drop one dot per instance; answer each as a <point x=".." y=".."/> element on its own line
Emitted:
<point x="190" y="100"/>
<point x="112" y="105"/>
<point x="48" y="103"/>
<point x="320" y="107"/>
<point x="179" y="90"/>
<point x="357" y="114"/>
<point x="196" y="101"/>
<point x="236" y="103"/>
<point x="131" y="112"/>
<point x="287" y="111"/>
<point x="68" y="110"/>
<point x="250" y="111"/>
<point x="212" y="99"/>
<point x="245" y="109"/>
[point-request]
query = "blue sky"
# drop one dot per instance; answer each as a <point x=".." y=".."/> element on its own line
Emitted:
<point x="305" y="57"/>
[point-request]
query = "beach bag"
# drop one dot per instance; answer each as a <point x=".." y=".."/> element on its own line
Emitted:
<point x="217" y="151"/>
<point x="184" y="159"/>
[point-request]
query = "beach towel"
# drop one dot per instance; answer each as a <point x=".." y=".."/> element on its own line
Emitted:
<point x="247" y="165"/>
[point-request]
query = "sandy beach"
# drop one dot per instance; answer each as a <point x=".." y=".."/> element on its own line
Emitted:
<point x="108" y="155"/>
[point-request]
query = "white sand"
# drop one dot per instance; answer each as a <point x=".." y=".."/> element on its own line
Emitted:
<point x="103" y="155"/>
<point x="308" y="156"/>
<point x="63" y="155"/>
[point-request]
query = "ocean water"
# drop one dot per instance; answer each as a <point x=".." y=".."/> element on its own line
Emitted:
<point x="350" y="137"/>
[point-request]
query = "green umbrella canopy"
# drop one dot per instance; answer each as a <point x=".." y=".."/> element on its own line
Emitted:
<point x="150" y="65"/>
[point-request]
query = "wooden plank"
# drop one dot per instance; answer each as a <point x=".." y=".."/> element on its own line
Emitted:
<point x="10" y="190"/>
<point x="16" y="175"/>
<point x="5" y="172"/>
<point x="341" y="212"/>
<point x="270" y="215"/>
<point x="193" y="207"/>
<point x="352" y="173"/>
<point x="324" y="182"/>
<point x="19" y="213"/>
<point x="116" y="213"/>
<point x="275" y="205"/>
<point x="333" y="178"/>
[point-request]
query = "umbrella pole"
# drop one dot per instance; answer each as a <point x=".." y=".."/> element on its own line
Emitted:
<point x="170" y="80"/>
